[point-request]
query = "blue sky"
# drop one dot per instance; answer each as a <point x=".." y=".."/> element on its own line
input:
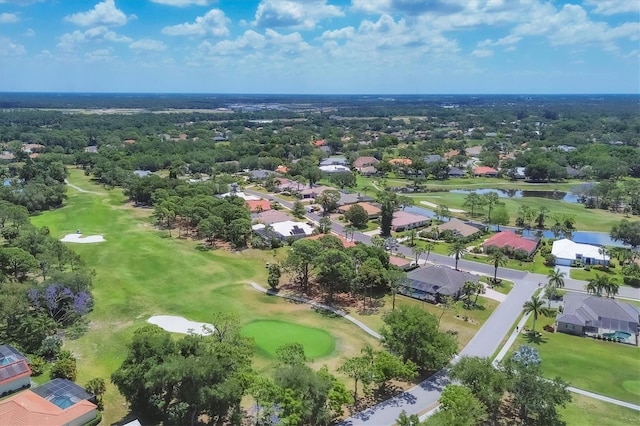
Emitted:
<point x="320" y="46"/>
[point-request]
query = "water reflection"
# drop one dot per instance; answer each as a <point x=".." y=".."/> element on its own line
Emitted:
<point x="567" y="197"/>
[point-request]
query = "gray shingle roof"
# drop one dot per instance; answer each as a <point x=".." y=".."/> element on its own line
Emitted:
<point x="439" y="279"/>
<point x="602" y="312"/>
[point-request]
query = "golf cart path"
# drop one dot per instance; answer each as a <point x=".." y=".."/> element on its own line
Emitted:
<point x="318" y="305"/>
<point x="77" y="188"/>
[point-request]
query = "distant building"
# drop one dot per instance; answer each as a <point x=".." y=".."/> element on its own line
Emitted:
<point x="261" y="174"/>
<point x="257" y="206"/>
<point x="334" y="168"/>
<point x="455" y="172"/>
<point x="458" y="228"/>
<point x="485" y="171"/>
<point x="334" y="161"/>
<point x="372" y="211"/>
<point x="287" y="230"/>
<point x="141" y="173"/>
<point x="434" y="158"/>
<point x="362" y="162"/>
<point x="401" y="161"/>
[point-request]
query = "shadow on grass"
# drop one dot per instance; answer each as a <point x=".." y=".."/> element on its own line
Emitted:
<point x="535" y="338"/>
<point x="204" y="247"/>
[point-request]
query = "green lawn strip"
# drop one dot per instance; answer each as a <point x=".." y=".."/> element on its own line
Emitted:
<point x="269" y="335"/>
<point x="614" y="273"/>
<point x="586" y="411"/>
<point x="536" y="266"/>
<point x="142" y="272"/>
<point x="605" y="368"/>
<point x="503" y="287"/>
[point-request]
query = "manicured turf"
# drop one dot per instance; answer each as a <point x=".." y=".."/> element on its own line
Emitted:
<point x="141" y="272"/>
<point x="584" y="411"/>
<point x="606" y="368"/>
<point x="269" y="335"/>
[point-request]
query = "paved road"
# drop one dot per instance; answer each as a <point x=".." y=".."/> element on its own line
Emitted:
<point x="425" y="395"/>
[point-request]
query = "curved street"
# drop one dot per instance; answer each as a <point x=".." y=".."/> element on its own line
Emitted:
<point x="486" y="341"/>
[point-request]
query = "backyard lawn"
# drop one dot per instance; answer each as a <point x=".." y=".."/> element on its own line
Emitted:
<point x="585" y="411"/>
<point x="141" y="272"/>
<point x="606" y="368"/>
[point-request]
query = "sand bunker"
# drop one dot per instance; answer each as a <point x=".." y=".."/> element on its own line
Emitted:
<point x="78" y="238"/>
<point x="182" y="325"/>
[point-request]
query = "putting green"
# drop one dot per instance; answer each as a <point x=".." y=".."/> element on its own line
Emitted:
<point x="269" y="335"/>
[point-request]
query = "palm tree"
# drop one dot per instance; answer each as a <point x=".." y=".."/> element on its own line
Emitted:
<point x="366" y="188"/>
<point x="468" y="288"/>
<point x="457" y="249"/>
<point x="612" y="288"/>
<point x="536" y="307"/>
<point x="427" y="249"/>
<point x="604" y="252"/>
<point x="556" y="278"/>
<point x="498" y="258"/>
<point x="592" y="287"/>
<point x="418" y="251"/>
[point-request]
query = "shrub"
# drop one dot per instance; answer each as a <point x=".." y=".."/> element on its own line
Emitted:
<point x="64" y="368"/>
<point x="50" y="347"/>
<point x="37" y="365"/>
<point x="549" y="260"/>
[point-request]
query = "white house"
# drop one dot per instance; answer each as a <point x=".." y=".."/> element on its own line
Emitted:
<point x="240" y="194"/>
<point x="566" y="252"/>
<point x="334" y="168"/>
<point x="287" y="229"/>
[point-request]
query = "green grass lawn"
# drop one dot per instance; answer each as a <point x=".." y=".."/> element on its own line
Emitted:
<point x="581" y="274"/>
<point x="537" y="265"/>
<point x="141" y="272"/>
<point x="607" y="368"/>
<point x="585" y="411"/>
<point x="269" y="335"/>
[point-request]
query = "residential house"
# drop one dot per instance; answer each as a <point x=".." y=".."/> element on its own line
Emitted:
<point x="257" y="206"/>
<point x="239" y="194"/>
<point x="334" y="161"/>
<point x="286" y="230"/>
<point x="401" y="161"/>
<point x="372" y="210"/>
<point x="451" y="153"/>
<point x="334" y="168"/>
<point x="270" y="216"/>
<point x="401" y="262"/>
<point x="519" y="173"/>
<point x="142" y="173"/>
<point x="473" y="151"/>
<point x="368" y="171"/>
<point x="403" y="221"/>
<point x="345" y="243"/>
<point x="318" y="143"/>
<point x="511" y="242"/>
<point x="567" y="252"/>
<point x="260" y="175"/>
<point x="32" y="147"/>
<point x="458" y="228"/>
<point x="91" y="149"/>
<point x="15" y="373"/>
<point x="583" y="314"/>
<point x="433" y="158"/>
<point x="430" y="283"/>
<point x="485" y="171"/>
<point x="455" y="172"/>
<point x="362" y="162"/>
<point x="59" y="402"/>
<point x="315" y="191"/>
<point x="282" y="169"/>
<point x="6" y="155"/>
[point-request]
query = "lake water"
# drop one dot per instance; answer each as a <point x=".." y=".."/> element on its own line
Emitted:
<point x="567" y="197"/>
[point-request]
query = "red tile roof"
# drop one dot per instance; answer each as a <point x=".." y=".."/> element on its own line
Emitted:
<point x="484" y="170"/>
<point x="346" y="243"/>
<point x="320" y="142"/>
<point x="401" y="161"/>
<point x="29" y="408"/>
<point x="511" y="239"/>
<point x="258" y="205"/>
<point x="282" y="169"/>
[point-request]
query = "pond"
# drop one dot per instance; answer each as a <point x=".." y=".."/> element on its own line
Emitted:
<point x="567" y="197"/>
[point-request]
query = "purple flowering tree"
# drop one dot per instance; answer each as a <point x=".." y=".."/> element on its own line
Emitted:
<point x="60" y="303"/>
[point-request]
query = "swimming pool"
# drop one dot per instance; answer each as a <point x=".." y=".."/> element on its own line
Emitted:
<point x="622" y="335"/>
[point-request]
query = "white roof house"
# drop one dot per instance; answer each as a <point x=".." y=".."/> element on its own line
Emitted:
<point x="334" y="168"/>
<point x="287" y="228"/>
<point x="566" y="252"/>
<point x="242" y="195"/>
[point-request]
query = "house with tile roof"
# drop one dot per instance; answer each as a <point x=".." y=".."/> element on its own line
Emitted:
<point x="373" y="211"/>
<point x="401" y="161"/>
<point x="510" y="242"/>
<point x="583" y="314"/>
<point x="430" y="283"/>
<point x="403" y="221"/>
<point x="458" y="228"/>
<point x="59" y="402"/>
<point x="365" y="161"/>
<point x="257" y="206"/>
<point x="484" y="171"/>
<point x="15" y="373"/>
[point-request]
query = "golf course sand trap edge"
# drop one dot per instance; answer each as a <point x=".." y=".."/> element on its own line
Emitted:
<point x="182" y="325"/>
<point x="79" y="239"/>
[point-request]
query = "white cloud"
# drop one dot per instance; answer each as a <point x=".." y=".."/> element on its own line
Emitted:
<point x="346" y="32"/>
<point x="30" y="32"/>
<point x="614" y="7"/>
<point x="371" y="6"/>
<point x="294" y="14"/>
<point x="251" y="43"/>
<point x="148" y="45"/>
<point x="10" y="48"/>
<point x="214" y="22"/>
<point x="69" y="41"/>
<point x="104" y="13"/>
<point x="21" y="2"/>
<point x="9" y="18"/>
<point x="184" y="3"/>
